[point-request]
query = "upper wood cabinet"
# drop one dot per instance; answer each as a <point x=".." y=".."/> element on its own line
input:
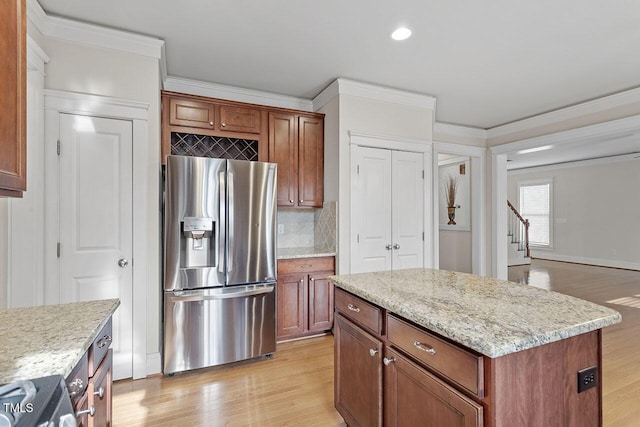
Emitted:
<point x="296" y="144"/>
<point x="239" y="119"/>
<point x="196" y="114"/>
<point x="13" y="87"/>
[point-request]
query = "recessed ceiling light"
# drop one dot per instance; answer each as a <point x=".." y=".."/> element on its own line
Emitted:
<point x="401" y="33"/>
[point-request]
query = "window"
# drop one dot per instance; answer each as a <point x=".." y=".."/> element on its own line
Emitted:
<point x="535" y="205"/>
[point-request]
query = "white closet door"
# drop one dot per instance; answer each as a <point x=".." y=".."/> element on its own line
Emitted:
<point x="96" y="221"/>
<point x="371" y="210"/>
<point x="407" y="201"/>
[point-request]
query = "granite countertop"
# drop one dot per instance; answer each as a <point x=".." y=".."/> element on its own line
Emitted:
<point x="290" y="253"/>
<point x="49" y="340"/>
<point x="492" y="317"/>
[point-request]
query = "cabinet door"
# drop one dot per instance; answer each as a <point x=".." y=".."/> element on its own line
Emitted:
<point x="290" y="307"/>
<point x="13" y="87"/>
<point x="310" y="162"/>
<point x="100" y="393"/>
<point x="415" y="397"/>
<point x="195" y="114"/>
<point x="283" y="150"/>
<point x="320" y="302"/>
<point x="358" y="375"/>
<point x="239" y="119"/>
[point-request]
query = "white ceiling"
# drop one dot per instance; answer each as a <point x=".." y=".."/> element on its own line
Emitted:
<point x="487" y="63"/>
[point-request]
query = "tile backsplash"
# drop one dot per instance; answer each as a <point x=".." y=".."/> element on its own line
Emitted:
<point x="308" y="228"/>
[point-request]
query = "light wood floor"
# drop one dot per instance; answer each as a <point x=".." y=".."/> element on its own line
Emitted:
<point x="295" y="387"/>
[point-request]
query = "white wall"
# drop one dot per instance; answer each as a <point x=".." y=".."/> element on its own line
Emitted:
<point x="596" y="210"/>
<point x="455" y="251"/>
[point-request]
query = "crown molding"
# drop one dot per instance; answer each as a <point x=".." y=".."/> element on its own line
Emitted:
<point x="458" y="130"/>
<point x="80" y="103"/>
<point x="343" y="86"/>
<point x="608" y="129"/>
<point x="576" y="163"/>
<point x="93" y="35"/>
<point x="214" y="90"/>
<point x="575" y="111"/>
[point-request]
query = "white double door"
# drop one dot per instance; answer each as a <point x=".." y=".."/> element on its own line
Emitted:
<point x="387" y="210"/>
<point x="96" y="221"/>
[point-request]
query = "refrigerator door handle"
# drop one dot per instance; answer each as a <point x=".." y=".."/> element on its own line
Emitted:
<point x="231" y="221"/>
<point x="222" y="227"/>
<point x="242" y="292"/>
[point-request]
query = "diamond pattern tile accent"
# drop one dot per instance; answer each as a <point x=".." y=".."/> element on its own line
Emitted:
<point x="325" y="226"/>
<point x="187" y="144"/>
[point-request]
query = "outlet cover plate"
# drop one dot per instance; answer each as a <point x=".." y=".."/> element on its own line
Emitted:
<point x="587" y="378"/>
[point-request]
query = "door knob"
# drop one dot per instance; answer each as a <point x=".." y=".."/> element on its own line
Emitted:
<point x="388" y="247"/>
<point x="396" y="246"/>
<point x="122" y="262"/>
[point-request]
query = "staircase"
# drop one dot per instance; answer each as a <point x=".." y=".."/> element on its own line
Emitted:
<point x="517" y="237"/>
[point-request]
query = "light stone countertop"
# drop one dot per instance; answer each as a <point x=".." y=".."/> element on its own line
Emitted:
<point x="291" y="253"/>
<point x="49" y="340"/>
<point x="492" y="317"/>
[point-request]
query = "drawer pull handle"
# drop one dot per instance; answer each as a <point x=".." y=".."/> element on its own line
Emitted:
<point x="388" y="362"/>
<point x="373" y="352"/>
<point x="76" y="388"/>
<point x="91" y="411"/>
<point x="99" y="393"/>
<point x="105" y="341"/>
<point x="353" y="308"/>
<point x="424" y="347"/>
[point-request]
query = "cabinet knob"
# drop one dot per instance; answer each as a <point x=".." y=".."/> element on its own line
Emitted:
<point x="210" y="123"/>
<point x="224" y="125"/>
<point x="388" y="362"/>
<point x="373" y="352"/>
<point x="91" y="411"/>
<point x="291" y="201"/>
<point x="99" y="393"/>
<point x="301" y="200"/>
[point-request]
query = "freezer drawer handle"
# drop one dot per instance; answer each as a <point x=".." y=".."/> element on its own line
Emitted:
<point x="202" y="297"/>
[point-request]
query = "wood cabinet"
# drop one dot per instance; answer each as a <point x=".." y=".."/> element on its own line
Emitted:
<point x="304" y="297"/>
<point x="430" y="380"/>
<point x="210" y="117"/>
<point x="296" y="144"/>
<point x="413" y="396"/>
<point x="357" y="374"/>
<point x="13" y="87"/>
<point x="90" y="382"/>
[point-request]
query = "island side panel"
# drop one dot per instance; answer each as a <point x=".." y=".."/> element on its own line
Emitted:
<point x="539" y="386"/>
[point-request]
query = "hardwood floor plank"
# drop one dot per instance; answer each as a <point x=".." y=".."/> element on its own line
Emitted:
<point x="295" y="387"/>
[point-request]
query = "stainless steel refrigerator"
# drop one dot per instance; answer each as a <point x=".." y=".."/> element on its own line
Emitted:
<point x="219" y="261"/>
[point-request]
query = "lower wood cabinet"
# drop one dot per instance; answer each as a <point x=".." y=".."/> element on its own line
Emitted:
<point x="357" y="374"/>
<point x="413" y="396"/>
<point x="90" y="382"/>
<point x="304" y="297"/>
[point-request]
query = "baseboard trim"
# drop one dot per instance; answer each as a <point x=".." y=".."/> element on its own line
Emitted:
<point x="588" y="261"/>
<point x="154" y="364"/>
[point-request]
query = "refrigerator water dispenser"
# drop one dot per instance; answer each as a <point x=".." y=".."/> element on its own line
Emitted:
<point x="197" y="247"/>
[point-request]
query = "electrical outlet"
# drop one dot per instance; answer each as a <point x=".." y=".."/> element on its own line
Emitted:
<point x="280" y="228"/>
<point x="587" y="378"/>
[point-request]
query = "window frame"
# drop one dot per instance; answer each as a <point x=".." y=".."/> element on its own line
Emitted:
<point x="533" y="182"/>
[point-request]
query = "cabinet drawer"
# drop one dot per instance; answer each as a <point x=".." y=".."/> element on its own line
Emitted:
<point x="460" y="366"/>
<point x="358" y="310"/>
<point x="78" y="380"/>
<point x="99" y="348"/>
<point x="306" y="265"/>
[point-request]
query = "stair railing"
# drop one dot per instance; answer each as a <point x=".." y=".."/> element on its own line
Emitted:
<point x="518" y="229"/>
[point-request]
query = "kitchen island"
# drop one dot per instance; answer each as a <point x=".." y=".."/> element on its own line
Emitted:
<point x="459" y="349"/>
<point x="71" y="340"/>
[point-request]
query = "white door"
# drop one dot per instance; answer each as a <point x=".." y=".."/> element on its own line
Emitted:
<point x="407" y="201"/>
<point x="387" y="218"/>
<point x="95" y="205"/>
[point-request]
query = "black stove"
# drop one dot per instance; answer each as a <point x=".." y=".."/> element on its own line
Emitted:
<point x="40" y="402"/>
